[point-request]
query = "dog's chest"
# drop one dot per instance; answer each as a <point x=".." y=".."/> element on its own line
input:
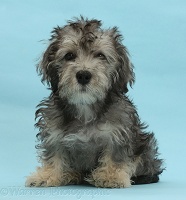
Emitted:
<point x="83" y="146"/>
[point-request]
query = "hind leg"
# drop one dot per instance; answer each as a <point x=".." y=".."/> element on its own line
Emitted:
<point x="150" y="166"/>
<point x="144" y="179"/>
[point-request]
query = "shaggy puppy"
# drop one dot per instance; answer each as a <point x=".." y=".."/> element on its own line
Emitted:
<point x="88" y="128"/>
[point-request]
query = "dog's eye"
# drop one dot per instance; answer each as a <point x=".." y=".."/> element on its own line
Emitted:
<point x="101" y="56"/>
<point x="70" y="56"/>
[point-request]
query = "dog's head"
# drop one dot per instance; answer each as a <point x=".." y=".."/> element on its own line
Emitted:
<point x="83" y="62"/>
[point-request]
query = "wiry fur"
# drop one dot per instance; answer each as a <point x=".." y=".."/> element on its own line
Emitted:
<point x="91" y="132"/>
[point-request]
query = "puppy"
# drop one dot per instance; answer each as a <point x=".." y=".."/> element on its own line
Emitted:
<point x="89" y="130"/>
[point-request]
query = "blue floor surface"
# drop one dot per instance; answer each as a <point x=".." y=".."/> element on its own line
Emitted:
<point x="155" y="34"/>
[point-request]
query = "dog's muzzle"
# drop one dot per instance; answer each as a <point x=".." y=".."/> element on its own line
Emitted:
<point x="83" y="77"/>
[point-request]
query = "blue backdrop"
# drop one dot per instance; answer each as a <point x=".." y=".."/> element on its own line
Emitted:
<point x="155" y="34"/>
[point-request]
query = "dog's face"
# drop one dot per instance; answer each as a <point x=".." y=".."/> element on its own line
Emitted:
<point x="83" y="62"/>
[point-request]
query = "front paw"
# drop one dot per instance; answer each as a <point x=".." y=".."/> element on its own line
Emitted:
<point x="38" y="181"/>
<point x="44" y="177"/>
<point x="34" y="182"/>
<point x="104" y="179"/>
<point x="50" y="178"/>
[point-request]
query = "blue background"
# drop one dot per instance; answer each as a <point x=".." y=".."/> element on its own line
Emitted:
<point x="155" y="34"/>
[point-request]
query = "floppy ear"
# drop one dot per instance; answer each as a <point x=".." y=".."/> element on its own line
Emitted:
<point x="47" y="67"/>
<point x="125" y="68"/>
<point x="126" y="73"/>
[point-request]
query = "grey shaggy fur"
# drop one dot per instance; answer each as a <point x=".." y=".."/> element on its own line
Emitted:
<point x="83" y="123"/>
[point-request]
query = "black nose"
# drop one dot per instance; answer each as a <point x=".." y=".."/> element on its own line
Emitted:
<point x="83" y="77"/>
